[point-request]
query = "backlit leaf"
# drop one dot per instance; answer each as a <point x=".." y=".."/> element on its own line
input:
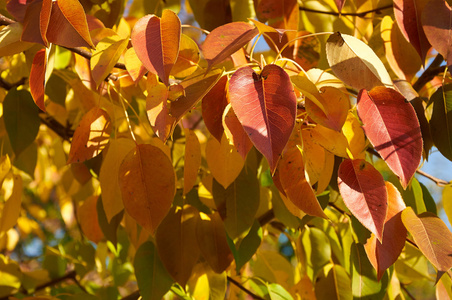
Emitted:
<point x="313" y="156"/>
<point x="392" y="127"/>
<point x="10" y="276"/>
<point x="333" y="141"/>
<point x="383" y="254"/>
<point x="354" y="134"/>
<point x="147" y="182"/>
<point x="133" y="64"/>
<point x="248" y="246"/>
<point x="355" y="63"/>
<point x="91" y="136"/>
<point x="333" y="283"/>
<point x="265" y="105"/>
<point x="224" y="161"/>
<point x="176" y="242"/>
<point x="192" y="160"/>
<point x="188" y="58"/>
<point x="10" y="40"/>
<point x="447" y="194"/>
<point x="212" y="241"/>
<point x="157" y="108"/>
<point x="10" y="209"/>
<point x="273" y="267"/>
<point x="21" y="118"/>
<point x="441" y="121"/>
<point x="295" y="185"/>
<point x="317" y="250"/>
<point x="87" y="215"/>
<point x="408" y="15"/>
<point x="37" y="78"/>
<point x="235" y="132"/>
<point x="364" y="192"/>
<point x="224" y="40"/>
<point x="108" y="176"/>
<point x="152" y="277"/>
<point x="432" y="237"/>
<point x="436" y="18"/>
<point x="156" y="42"/>
<point x="213" y="105"/>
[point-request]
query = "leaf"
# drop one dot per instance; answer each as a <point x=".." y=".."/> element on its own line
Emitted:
<point x="106" y="55"/>
<point x="152" y="277"/>
<point x="333" y="141"/>
<point x="188" y="58"/>
<point x="265" y="105"/>
<point x="109" y="228"/>
<point x="383" y="254"/>
<point x="133" y="64"/>
<point x="432" y="237"/>
<point x="10" y="276"/>
<point x="87" y="215"/>
<point x="10" y="210"/>
<point x="108" y="176"/>
<point x="37" y="78"/>
<point x="176" y="242"/>
<point x="10" y="40"/>
<point x="398" y="139"/>
<point x="235" y="132"/>
<point x="333" y="283"/>
<point x="447" y="193"/>
<point x="192" y="159"/>
<point x="211" y="14"/>
<point x="91" y="136"/>
<point x="156" y="42"/>
<point x="293" y="181"/>
<point x="354" y="134"/>
<point x="248" y="246"/>
<point x="339" y="5"/>
<point x="213" y="105"/>
<point x="317" y="250"/>
<point x="157" y="108"/>
<point x="238" y="204"/>
<point x="5" y="167"/>
<point x="224" y="40"/>
<point x="277" y="292"/>
<point x="313" y="156"/>
<point x="355" y="63"/>
<point x="212" y="242"/>
<point x="441" y="120"/>
<point x="147" y="183"/>
<point x="224" y="162"/>
<point x="272" y="267"/>
<point x="21" y="118"/>
<point x="364" y="192"/>
<point x="408" y="15"/>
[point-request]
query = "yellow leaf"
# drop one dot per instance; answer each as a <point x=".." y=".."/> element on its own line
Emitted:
<point x="108" y="176"/>
<point x="11" y="209"/>
<point x="192" y="159"/>
<point x="133" y="64"/>
<point x="331" y="140"/>
<point x="147" y="183"/>
<point x="10" y="276"/>
<point x="188" y="58"/>
<point x="87" y="216"/>
<point x="354" y="134"/>
<point x="224" y="161"/>
<point x="5" y="166"/>
<point x="10" y="40"/>
<point x="327" y="172"/>
<point x="314" y="157"/>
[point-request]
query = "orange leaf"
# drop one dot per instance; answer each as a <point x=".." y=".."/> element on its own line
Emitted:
<point x="37" y="78"/>
<point x="383" y="254"/>
<point x="87" y="216"/>
<point x="364" y="192"/>
<point x="188" y="58"/>
<point x="91" y="136"/>
<point x="213" y="105"/>
<point x="147" y="182"/>
<point x="235" y="132"/>
<point x="192" y="160"/>
<point x="157" y="108"/>
<point x="156" y="42"/>
<point x="44" y="19"/>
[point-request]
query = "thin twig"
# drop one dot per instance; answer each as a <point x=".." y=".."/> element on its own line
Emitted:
<point x="5" y="21"/>
<point x="240" y="286"/>
<point x="359" y="15"/>
<point x="266" y="217"/>
<point x="406" y="291"/>
<point x="134" y="296"/>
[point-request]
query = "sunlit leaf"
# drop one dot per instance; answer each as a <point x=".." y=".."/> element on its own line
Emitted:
<point x="91" y="136"/>
<point x="333" y="141"/>
<point x="273" y="267"/>
<point x="188" y="58"/>
<point x="441" y="121"/>
<point x="392" y="127"/>
<point x="235" y="132"/>
<point x="355" y="63"/>
<point x="156" y="42"/>
<point x="213" y="105"/>
<point x="313" y="156"/>
<point x="432" y="237"/>
<point x="157" y="108"/>
<point x="317" y="250"/>
<point x="10" y="276"/>
<point x="37" y="80"/>
<point x="353" y="132"/>
<point x="10" y="40"/>
<point x="147" y="182"/>
<point x="10" y="209"/>
<point x="364" y="192"/>
<point x="192" y="160"/>
<point x="333" y="283"/>
<point x="133" y="64"/>
<point x="265" y="105"/>
<point x="176" y="242"/>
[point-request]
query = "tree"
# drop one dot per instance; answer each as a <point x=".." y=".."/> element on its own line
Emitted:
<point x="142" y="155"/>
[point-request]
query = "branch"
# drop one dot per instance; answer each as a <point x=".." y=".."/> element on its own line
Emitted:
<point x="8" y="86"/>
<point x="359" y="15"/>
<point x="134" y="296"/>
<point x="5" y="21"/>
<point x="432" y="70"/>
<point x="240" y="286"/>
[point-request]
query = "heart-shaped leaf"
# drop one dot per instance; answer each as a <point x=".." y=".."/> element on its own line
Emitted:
<point x="156" y="42"/>
<point x="224" y="40"/>
<point x="436" y="19"/>
<point x="355" y="63"/>
<point x="147" y="182"/>
<point x="432" y="237"/>
<point x="383" y="254"/>
<point x="392" y="127"/>
<point x="364" y="192"/>
<point x="265" y="104"/>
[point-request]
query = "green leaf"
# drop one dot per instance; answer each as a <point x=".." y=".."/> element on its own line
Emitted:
<point x="248" y="246"/>
<point x="441" y="120"/>
<point x="412" y="265"/>
<point x="273" y="267"/>
<point x="152" y="277"/>
<point x="27" y="160"/>
<point x="277" y="292"/>
<point x="429" y="202"/>
<point x="21" y="119"/>
<point x="317" y="250"/>
<point x="447" y="204"/>
<point x="54" y="263"/>
<point x="413" y="197"/>
<point x="333" y="283"/>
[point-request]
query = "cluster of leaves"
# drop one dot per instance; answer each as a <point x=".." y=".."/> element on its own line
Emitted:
<point x="146" y="157"/>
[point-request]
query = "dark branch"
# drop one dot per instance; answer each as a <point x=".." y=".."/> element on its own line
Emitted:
<point x="134" y="296"/>
<point x="240" y="286"/>
<point x="432" y="70"/>
<point x="5" y="21"/>
<point x="359" y="15"/>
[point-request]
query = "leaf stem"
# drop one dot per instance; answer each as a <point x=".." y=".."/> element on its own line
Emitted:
<point x="406" y="291"/>
<point x="240" y="286"/>
<point x="359" y="15"/>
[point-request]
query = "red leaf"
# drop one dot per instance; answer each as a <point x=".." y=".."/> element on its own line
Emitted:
<point x="223" y="41"/>
<point x="156" y="42"/>
<point x="32" y="29"/>
<point x="364" y="192"/>
<point x="44" y="19"/>
<point x="213" y="105"/>
<point x="339" y="4"/>
<point x="37" y="78"/>
<point x="266" y="107"/>
<point x="383" y="254"/>
<point x="235" y="132"/>
<point x="408" y="16"/>
<point x="392" y="127"/>
<point x="436" y="20"/>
